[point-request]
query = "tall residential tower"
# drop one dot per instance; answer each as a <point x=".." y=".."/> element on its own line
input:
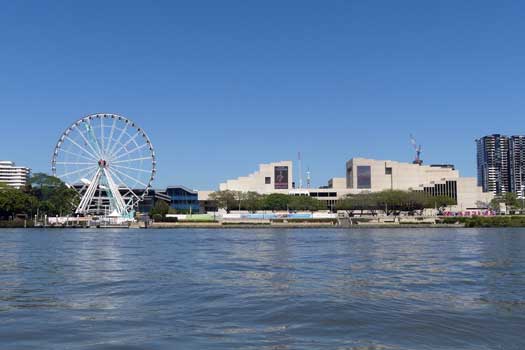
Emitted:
<point x="501" y="164"/>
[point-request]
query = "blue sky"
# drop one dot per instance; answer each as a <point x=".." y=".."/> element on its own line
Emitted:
<point x="221" y="86"/>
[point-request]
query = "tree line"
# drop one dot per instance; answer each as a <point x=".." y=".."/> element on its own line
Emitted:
<point x="43" y="195"/>
<point x="253" y="201"/>
<point x="393" y="202"/>
<point x="390" y="201"/>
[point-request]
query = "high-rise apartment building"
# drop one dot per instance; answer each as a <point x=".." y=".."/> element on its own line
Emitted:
<point x="517" y="164"/>
<point x="493" y="163"/>
<point x="13" y="175"/>
<point x="501" y="164"/>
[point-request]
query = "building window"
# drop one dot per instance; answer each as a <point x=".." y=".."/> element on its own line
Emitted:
<point x="388" y="171"/>
<point x="268" y="180"/>
<point x="364" y="176"/>
<point x="349" y="178"/>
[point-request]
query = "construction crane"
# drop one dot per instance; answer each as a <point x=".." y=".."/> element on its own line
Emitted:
<point x="418" y="150"/>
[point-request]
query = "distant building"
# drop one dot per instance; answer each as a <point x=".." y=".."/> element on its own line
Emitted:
<point x="517" y="165"/>
<point x="13" y="175"/>
<point x="501" y="164"/>
<point x="179" y="198"/>
<point x="367" y="175"/>
<point x="270" y="178"/>
<point x="494" y="164"/>
<point x="183" y="199"/>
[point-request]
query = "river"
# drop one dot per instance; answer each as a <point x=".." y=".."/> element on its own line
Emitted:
<point x="262" y="289"/>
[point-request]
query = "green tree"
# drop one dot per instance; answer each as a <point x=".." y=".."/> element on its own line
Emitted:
<point x="510" y="199"/>
<point x="305" y="203"/>
<point x="251" y="201"/>
<point x="275" y="201"/>
<point x="393" y="202"/>
<point x="55" y="197"/>
<point x="228" y="200"/>
<point x="159" y="210"/>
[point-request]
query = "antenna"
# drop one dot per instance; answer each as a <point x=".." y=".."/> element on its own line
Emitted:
<point x="300" y="170"/>
<point x="417" y="148"/>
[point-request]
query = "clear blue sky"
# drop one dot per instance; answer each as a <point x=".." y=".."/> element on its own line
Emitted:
<point x="221" y="86"/>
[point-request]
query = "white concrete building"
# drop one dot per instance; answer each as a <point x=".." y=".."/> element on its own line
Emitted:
<point x="12" y="175"/>
<point x="369" y="175"/>
<point x="270" y="178"/>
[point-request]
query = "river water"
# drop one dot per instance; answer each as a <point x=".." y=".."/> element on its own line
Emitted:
<point x="262" y="289"/>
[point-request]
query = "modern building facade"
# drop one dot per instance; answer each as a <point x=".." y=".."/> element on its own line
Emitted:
<point x="494" y="164"/>
<point x="13" y="175"/>
<point x="517" y="165"/>
<point x="183" y="200"/>
<point x="501" y="164"/>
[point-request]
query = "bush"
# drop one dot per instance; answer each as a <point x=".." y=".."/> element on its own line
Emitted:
<point x="17" y="223"/>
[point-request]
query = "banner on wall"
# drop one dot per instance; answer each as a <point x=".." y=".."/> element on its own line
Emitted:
<point x="281" y="177"/>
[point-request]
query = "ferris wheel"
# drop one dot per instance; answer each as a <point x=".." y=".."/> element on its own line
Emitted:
<point x="109" y="160"/>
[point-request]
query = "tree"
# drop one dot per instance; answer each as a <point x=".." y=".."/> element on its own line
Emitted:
<point x="305" y="203"/>
<point x="15" y="202"/>
<point x="393" y="202"/>
<point x="226" y="199"/>
<point x="510" y="199"/>
<point x="55" y="197"/>
<point x="159" y="210"/>
<point x="275" y="201"/>
<point x="251" y="201"/>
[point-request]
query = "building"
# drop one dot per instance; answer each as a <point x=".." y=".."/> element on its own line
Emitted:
<point x="501" y="164"/>
<point x="369" y="175"/>
<point x="494" y="164"/>
<point x="379" y="175"/>
<point x="182" y="199"/>
<point x="270" y="178"/>
<point x="13" y="175"/>
<point x="517" y="165"/>
<point x="179" y="198"/>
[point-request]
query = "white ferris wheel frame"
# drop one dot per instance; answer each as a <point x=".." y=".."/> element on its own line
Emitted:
<point x="102" y="160"/>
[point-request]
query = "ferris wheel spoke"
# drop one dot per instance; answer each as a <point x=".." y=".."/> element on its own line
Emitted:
<point x="130" y="168"/>
<point x="129" y="152"/>
<point x="102" y="134"/>
<point x="131" y="178"/>
<point x="95" y="158"/>
<point x="123" y="147"/>
<point x="131" y="160"/>
<point x="108" y="144"/>
<point x="75" y="163"/>
<point x="90" y="175"/>
<point x="115" y="145"/>
<point x="94" y="137"/>
<point x="76" y="171"/>
<point x="87" y="142"/>
<point x="123" y="183"/>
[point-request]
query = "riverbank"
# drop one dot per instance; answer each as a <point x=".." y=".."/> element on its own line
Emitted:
<point x="447" y="222"/>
